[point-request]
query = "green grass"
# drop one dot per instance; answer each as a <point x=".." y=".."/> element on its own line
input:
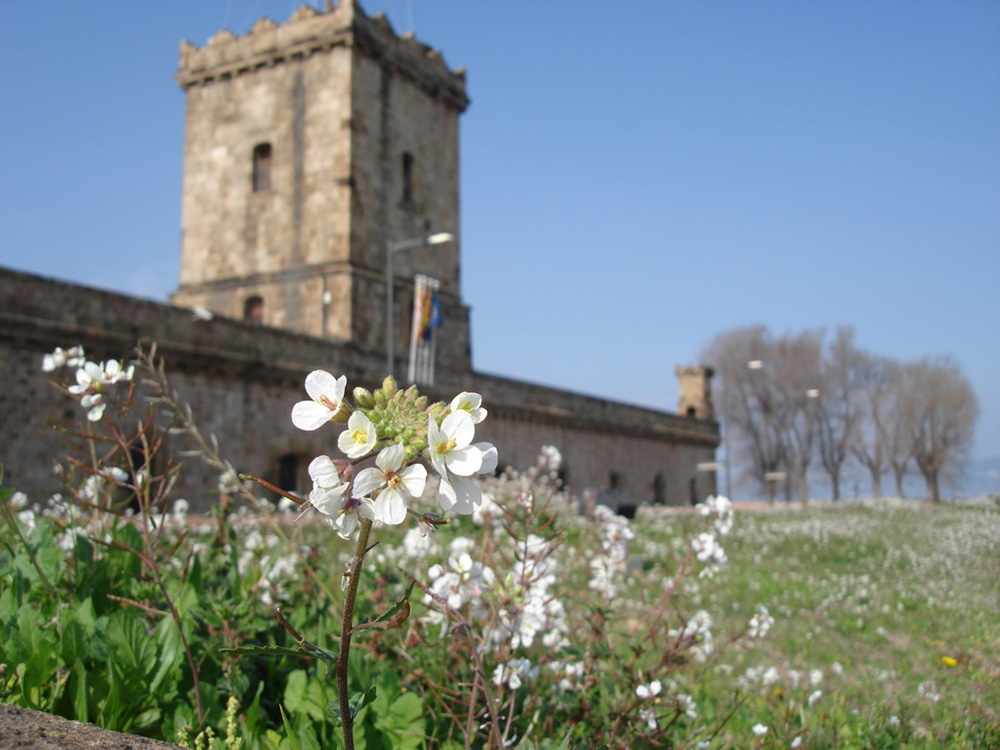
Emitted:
<point x="890" y="611"/>
<point x="875" y="598"/>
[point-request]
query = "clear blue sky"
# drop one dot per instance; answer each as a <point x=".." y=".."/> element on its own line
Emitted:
<point x="636" y="176"/>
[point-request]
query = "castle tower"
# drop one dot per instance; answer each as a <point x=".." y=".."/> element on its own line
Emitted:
<point x="309" y="147"/>
<point x="695" y="391"/>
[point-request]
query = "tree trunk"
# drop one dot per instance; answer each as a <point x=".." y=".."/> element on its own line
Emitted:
<point x="876" y="481"/>
<point x="898" y="474"/>
<point x="933" y="493"/>
<point x="769" y="491"/>
<point x="803" y="485"/>
<point x="835" y="481"/>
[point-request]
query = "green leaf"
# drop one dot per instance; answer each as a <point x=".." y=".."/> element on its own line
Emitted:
<point x="170" y="652"/>
<point x="359" y="700"/>
<point x="401" y="722"/>
<point x="78" y="688"/>
<point x="133" y="649"/>
<point x="305" y="695"/>
<point x="293" y="740"/>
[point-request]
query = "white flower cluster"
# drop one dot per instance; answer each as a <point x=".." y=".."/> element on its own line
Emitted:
<point x="534" y="609"/>
<point x="696" y="635"/>
<point x="514" y="672"/>
<point x="706" y="545"/>
<point x="384" y="492"/>
<point x="760" y="623"/>
<point x="607" y="567"/>
<point x="92" y="378"/>
<point x="459" y="582"/>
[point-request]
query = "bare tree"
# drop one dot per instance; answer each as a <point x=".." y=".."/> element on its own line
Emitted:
<point x="943" y="412"/>
<point x="795" y="363"/>
<point x="876" y="393"/>
<point x="747" y="400"/>
<point x="838" y="409"/>
<point x="901" y="417"/>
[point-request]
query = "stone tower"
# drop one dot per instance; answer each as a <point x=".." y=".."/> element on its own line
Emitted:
<point x="695" y="391"/>
<point x="309" y="147"/>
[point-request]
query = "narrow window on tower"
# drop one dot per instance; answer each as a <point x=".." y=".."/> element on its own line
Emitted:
<point x="407" y="177"/>
<point x="262" y="167"/>
<point x="253" y="310"/>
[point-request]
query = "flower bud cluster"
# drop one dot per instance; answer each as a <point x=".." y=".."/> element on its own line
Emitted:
<point x="398" y="428"/>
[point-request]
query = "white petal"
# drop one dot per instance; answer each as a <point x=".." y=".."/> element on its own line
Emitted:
<point x="367" y="481"/>
<point x="390" y="507"/>
<point x="447" y="496"/>
<point x="414" y="478"/>
<point x="323" y="472"/>
<point x="464" y="461"/>
<point x="459" y="426"/>
<point x="434" y="438"/>
<point x="490" y="457"/>
<point x="308" y="415"/>
<point x="328" y="501"/>
<point x="390" y="458"/>
<point x="468" y="496"/>
<point x="321" y="383"/>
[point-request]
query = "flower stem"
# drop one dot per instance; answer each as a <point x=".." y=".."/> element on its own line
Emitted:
<point x="345" y="633"/>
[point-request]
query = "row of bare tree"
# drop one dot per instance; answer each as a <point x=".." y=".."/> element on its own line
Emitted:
<point x="788" y="401"/>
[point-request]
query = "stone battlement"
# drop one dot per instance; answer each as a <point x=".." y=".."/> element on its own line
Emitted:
<point x="308" y="32"/>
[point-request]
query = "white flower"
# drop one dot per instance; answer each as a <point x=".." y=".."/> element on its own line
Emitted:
<point x="649" y="691"/>
<point x="710" y="552"/>
<point x="550" y="458"/>
<point x="471" y="403"/>
<point x="648" y="716"/>
<point x="760" y="623"/>
<point x="393" y="486"/>
<point x="327" y="397"/>
<point x="815" y="677"/>
<point x="327" y="495"/>
<point x="513" y="672"/>
<point x="759" y="729"/>
<point x="73" y="358"/>
<point x="461" y="494"/>
<point x="328" y="500"/>
<point x="359" y="438"/>
<point x="94" y="403"/>
<point x="450" y="445"/>
<point x="686" y="705"/>
<point x="814" y="697"/>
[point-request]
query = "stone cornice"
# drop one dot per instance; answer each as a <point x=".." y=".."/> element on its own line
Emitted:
<point x="309" y="32"/>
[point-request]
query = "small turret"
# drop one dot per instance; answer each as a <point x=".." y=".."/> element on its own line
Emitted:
<point x="695" y="391"/>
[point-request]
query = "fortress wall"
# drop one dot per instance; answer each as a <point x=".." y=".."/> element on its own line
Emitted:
<point x="241" y="381"/>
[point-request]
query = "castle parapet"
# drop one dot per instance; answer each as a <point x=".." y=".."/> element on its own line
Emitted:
<point x="310" y="31"/>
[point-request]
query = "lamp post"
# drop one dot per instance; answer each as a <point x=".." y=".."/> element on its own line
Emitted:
<point x="395" y="247"/>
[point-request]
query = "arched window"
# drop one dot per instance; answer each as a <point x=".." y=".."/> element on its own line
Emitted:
<point x="659" y="490"/>
<point x="407" y="177"/>
<point x="253" y="310"/>
<point x="288" y="472"/>
<point x="262" y="167"/>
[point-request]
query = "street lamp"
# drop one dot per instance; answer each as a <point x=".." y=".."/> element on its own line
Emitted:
<point x="395" y="247"/>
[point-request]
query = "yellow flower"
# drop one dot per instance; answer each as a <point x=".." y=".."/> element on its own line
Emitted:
<point x="949" y="661"/>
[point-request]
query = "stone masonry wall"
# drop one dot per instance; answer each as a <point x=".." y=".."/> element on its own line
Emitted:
<point x="241" y="381"/>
